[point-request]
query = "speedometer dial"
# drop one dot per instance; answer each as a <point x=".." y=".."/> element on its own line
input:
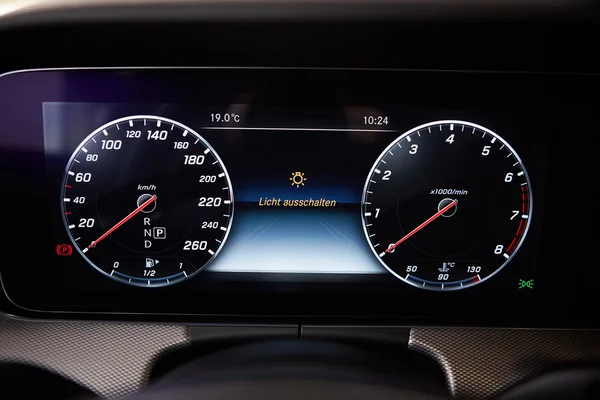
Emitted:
<point x="147" y="201"/>
<point x="447" y="205"/>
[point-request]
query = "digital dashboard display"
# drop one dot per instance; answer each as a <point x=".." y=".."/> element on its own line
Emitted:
<point x="281" y="194"/>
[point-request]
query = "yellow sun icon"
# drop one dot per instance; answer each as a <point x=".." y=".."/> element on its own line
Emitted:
<point x="298" y="179"/>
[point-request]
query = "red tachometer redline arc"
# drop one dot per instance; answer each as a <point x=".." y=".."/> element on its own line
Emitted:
<point x="447" y="205"/>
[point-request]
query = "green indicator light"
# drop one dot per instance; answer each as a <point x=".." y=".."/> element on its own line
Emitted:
<point x="523" y="284"/>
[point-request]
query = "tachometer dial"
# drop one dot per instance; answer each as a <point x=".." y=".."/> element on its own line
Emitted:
<point x="447" y="205"/>
<point x="147" y="201"/>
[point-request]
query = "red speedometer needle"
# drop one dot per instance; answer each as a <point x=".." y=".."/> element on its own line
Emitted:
<point x="423" y="225"/>
<point x="121" y="222"/>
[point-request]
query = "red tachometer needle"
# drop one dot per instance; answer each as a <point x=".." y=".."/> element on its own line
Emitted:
<point x="121" y="222"/>
<point x="423" y="225"/>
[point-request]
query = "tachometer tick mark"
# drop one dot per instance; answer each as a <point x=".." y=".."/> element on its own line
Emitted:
<point x="520" y="173"/>
<point x="222" y="174"/>
<point x="408" y="139"/>
<point x="506" y="256"/>
<point x="71" y="173"/>
<point x="493" y="140"/>
<point x="77" y="161"/>
<point x="215" y="162"/>
<point x="197" y="140"/>
<point x="382" y="254"/>
<point x="509" y="154"/>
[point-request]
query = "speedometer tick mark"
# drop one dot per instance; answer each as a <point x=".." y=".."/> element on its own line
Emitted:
<point x="222" y="174"/>
<point x="368" y="191"/>
<point x="482" y="136"/>
<point x="184" y="133"/>
<point x="391" y="153"/>
<point x="473" y="131"/>
<point x="84" y="149"/>
<point x="94" y="140"/>
<point x="78" y="238"/>
<point x="197" y="140"/>
<point x="144" y="121"/>
<point x="158" y="123"/>
<point x="207" y="151"/>
<point x="172" y="126"/>
<point x="77" y="161"/>
<point x="130" y="123"/>
<point x="225" y="188"/>
<point x="372" y="181"/>
<point x="382" y="254"/>
<point x="386" y="162"/>
<point x="106" y="133"/>
<point x="218" y="241"/>
<point x="226" y="215"/>
<point x="226" y="201"/>
<point x="501" y="147"/>
<point x="215" y="162"/>
<point x="66" y="200"/>
<point x="212" y="253"/>
<point x="372" y="235"/>
<point x="509" y="154"/>
<point x="429" y="129"/>
<point x="112" y="272"/>
<point x="71" y="226"/>
<point x="71" y="173"/>
<point x="515" y="164"/>
<point x="84" y="250"/>
<point x="223" y="229"/>
<point x="375" y="245"/>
